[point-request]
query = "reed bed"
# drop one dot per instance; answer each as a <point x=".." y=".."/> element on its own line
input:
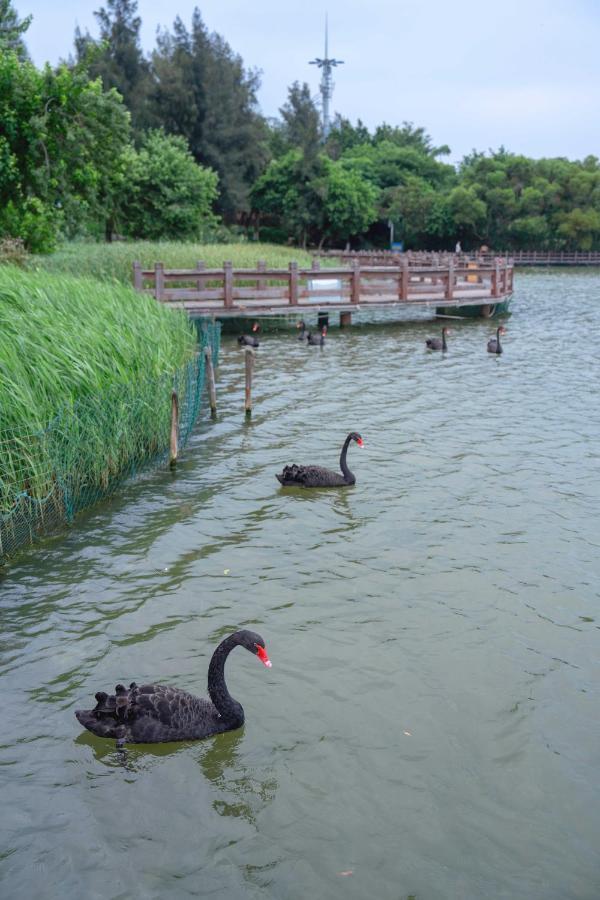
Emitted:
<point x="86" y="372"/>
<point x="114" y="261"/>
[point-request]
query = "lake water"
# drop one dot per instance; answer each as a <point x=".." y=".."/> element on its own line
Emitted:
<point x="431" y="724"/>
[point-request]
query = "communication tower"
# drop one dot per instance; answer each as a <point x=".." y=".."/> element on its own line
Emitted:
<point x="326" y="87"/>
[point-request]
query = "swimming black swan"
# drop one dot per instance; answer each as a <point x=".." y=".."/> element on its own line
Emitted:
<point x="494" y="345"/>
<point x="155" y="712"/>
<point x="317" y="476"/>
<point x="302" y="326"/>
<point x="250" y="340"/>
<point x="436" y="343"/>
<point x="319" y="341"/>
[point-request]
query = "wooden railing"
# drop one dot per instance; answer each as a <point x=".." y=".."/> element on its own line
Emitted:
<point x="426" y="257"/>
<point x="232" y="290"/>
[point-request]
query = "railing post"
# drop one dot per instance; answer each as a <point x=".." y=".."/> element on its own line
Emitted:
<point x="355" y="282"/>
<point x="404" y="278"/>
<point x="228" y="284"/>
<point x="450" y="288"/>
<point x="199" y="268"/>
<point x="159" y="281"/>
<point x="137" y="276"/>
<point x="496" y="279"/>
<point x="293" y="284"/>
<point x="316" y="263"/>
<point x="261" y="283"/>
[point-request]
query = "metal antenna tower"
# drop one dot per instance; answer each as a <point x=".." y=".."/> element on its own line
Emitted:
<point x="326" y="86"/>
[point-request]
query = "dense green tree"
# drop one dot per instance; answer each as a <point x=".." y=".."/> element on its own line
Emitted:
<point x="202" y="91"/>
<point x="166" y="193"/>
<point x="117" y="57"/>
<point x="301" y="122"/>
<point x="330" y="203"/>
<point x="12" y="29"/>
<point x="61" y="144"/>
<point x="344" y="136"/>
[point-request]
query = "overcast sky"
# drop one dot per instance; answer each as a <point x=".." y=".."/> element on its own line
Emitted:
<point x="522" y="73"/>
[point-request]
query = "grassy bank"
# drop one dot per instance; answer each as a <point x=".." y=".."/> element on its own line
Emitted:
<point x="85" y="375"/>
<point x="114" y="261"/>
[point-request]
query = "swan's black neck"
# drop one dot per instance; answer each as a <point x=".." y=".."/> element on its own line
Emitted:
<point x="498" y="344"/>
<point x="230" y="709"/>
<point x="348" y="475"/>
<point x="444" y="345"/>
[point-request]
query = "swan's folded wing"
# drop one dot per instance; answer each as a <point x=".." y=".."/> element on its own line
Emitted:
<point x="170" y="706"/>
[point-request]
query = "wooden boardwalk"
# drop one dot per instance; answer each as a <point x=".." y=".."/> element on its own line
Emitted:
<point x="425" y="258"/>
<point x="263" y="291"/>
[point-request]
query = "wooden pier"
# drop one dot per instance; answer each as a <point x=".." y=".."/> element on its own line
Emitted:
<point x="263" y="291"/>
<point x="425" y="257"/>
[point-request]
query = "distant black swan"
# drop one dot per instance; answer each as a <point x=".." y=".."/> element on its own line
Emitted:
<point x="494" y="345"/>
<point x="317" y="476"/>
<point x="436" y="343"/>
<point x="250" y="340"/>
<point x="317" y="340"/>
<point x="155" y="712"/>
<point x="302" y="326"/>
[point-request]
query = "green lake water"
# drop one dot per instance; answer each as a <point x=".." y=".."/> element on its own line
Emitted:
<point x="431" y="724"/>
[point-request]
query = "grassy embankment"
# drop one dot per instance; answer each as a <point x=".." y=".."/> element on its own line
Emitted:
<point x="114" y="261"/>
<point x="68" y="343"/>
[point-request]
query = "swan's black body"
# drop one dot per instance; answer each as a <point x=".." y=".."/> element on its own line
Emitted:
<point x="314" y="340"/>
<point x="302" y="326"/>
<point x="436" y="343"/>
<point x="150" y="713"/>
<point x="250" y="340"/>
<point x="494" y="345"/>
<point x="317" y="476"/>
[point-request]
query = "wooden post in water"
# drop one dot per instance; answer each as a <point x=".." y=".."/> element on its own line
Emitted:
<point x="249" y="354"/>
<point x="210" y="380"/>
<point x="173" y="447"/>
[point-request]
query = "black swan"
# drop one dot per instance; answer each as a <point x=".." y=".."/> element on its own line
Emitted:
<point x="317" y="341"/>
<point x="156" y="712"/>
<point x="317" y="476"/>
<point x="250" y="340"/>
<point x="302" y="326"/>
<point x="436" y="343"/>
<point x="494" y="345"/>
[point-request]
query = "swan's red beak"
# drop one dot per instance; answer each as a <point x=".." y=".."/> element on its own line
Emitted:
<point x="360" y="442"/>
<point x="255" y="326"/>
<point x="262" y="655"/>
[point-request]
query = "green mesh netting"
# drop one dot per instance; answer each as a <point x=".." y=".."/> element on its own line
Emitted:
<point x="92" y="446"/>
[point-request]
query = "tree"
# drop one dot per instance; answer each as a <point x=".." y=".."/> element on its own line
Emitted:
<point x="580" y="228"/>
<point x="202" y="92"/>
<point x="329" y="203"/>
<point x="467" y="213"/>
<point x="349" y="203"/>
<point x="301" y="122"/>
<point x="61" y="145"/>
<point x="166" y="194"/>
<point x="12" y="30"/>
<point x="117" y="58"/>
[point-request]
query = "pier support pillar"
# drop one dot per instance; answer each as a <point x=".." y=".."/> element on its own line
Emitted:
<point x="345" y="319"/>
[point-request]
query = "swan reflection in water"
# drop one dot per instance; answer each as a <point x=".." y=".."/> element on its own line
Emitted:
<point x="238" y="790"/>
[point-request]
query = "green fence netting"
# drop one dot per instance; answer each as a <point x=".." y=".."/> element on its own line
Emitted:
<point x="92" y="446"/>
